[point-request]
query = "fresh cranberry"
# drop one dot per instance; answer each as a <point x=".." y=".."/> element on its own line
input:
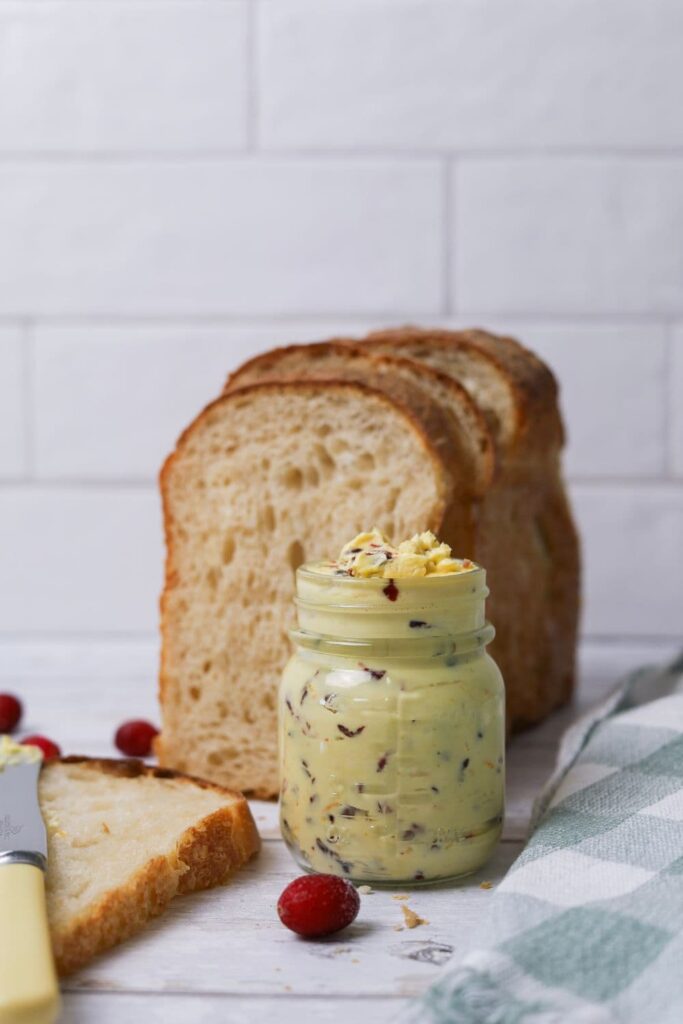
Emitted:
<point x="135" y="738"/>
<point x="316" y="905"/>
<point x="10" y="712"/>
<point x="48" y="748"/>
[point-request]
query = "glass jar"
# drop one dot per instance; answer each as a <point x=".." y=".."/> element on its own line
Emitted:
<point x="392" y="736"/>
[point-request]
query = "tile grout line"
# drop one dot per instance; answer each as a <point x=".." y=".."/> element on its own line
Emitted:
<point x="252" y="94"/>
<point x="341" y="154"/>
<point x="256" y="320"/>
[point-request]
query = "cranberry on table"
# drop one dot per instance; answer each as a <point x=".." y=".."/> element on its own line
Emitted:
<point x="48" y="748"/>
<point x="134" y="738"/>
<point x="10" y="712"/>
<point x="317" y="905"/>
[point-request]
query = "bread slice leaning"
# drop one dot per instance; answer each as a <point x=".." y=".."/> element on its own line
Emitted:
<point x="124" y="838"/>
<point x="267" y="477"/>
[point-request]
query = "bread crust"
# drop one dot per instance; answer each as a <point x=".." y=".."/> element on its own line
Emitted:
<point x="206" y="855"/>
<point x="531" y="385"/>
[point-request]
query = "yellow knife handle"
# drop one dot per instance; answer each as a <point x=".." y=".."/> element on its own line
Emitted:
<point x="29" y="993"/>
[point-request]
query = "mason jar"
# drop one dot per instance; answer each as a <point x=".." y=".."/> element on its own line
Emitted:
<point x="392" y="735"/>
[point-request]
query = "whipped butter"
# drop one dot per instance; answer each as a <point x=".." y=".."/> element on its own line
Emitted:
<point x="392" y="716"/>
<point x="12" y="752"/>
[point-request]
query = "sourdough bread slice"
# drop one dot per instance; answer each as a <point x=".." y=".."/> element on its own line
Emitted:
<point x="267" y="477"/>
<point x="123" y="839"/>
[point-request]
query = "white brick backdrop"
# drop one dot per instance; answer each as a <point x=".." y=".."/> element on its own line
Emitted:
<point x="185" y="182"/>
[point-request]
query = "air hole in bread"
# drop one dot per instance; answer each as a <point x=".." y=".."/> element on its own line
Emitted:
<point x="293" y="478"/>
<point x="365" y="461"/>
<point x="206" y="667"/>
<point x="228" y="552"/>
<point x="295" y="554"/>
<point x="312" y="476"/>
<point x="212" y="577"/>
<point x="394" y="495"/>
<point x="327" y="463"/>
<point x="267" y="518"/>
<point x="194" y="692"/>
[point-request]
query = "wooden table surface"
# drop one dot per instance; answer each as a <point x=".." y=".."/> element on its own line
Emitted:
<point x="223" y="955"/>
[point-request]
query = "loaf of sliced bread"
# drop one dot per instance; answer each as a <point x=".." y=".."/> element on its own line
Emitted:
<point x="123" y="840"/>
<point x="267" y="477"/>
<point x="517" y="522"/>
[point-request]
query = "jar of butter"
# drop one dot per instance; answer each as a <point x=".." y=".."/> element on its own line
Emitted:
<point x="392" y="716"/>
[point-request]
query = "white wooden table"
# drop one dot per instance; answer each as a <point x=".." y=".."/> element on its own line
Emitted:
<point x="223" y="955"/>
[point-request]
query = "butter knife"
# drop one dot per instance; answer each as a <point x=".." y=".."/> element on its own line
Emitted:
<point x="29" y="993"/>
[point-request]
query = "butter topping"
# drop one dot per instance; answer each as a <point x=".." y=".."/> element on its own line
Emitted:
<point x="371" y="554"/>
<point x="12" y="752"/>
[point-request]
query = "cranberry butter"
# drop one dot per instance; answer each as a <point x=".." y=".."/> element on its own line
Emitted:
<point x="392" y="716"/>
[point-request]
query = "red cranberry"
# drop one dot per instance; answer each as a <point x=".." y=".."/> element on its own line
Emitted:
<point x="48" y="748"/>
<point x="10" y="712"/>
<point x="135" y="738"/>
<point x="316" y="905"/>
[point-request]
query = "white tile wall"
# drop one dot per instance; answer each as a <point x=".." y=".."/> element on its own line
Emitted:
<point x="437" y="73"/>
<point x="571" y="235"/>
<point x="675" y="397"/>
<point x="633" y="553"/>
<point x="185" y="182"/>
<point x="122" y="75"/>
<point x="220" y="237"/>
<point x="79" y="561"/>
<point x="13" y="414"/>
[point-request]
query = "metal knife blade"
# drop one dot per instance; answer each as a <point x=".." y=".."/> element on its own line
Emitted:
<point x="22" y="828"/>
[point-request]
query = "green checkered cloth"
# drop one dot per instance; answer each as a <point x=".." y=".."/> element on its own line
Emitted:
<point x="587" y="926"/>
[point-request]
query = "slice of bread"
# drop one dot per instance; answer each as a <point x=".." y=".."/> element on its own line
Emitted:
<point x="124" y="838"/>
<point x="267" y="477"/>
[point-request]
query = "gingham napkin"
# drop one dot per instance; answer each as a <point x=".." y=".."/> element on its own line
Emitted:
<point x="587" y="926"/>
